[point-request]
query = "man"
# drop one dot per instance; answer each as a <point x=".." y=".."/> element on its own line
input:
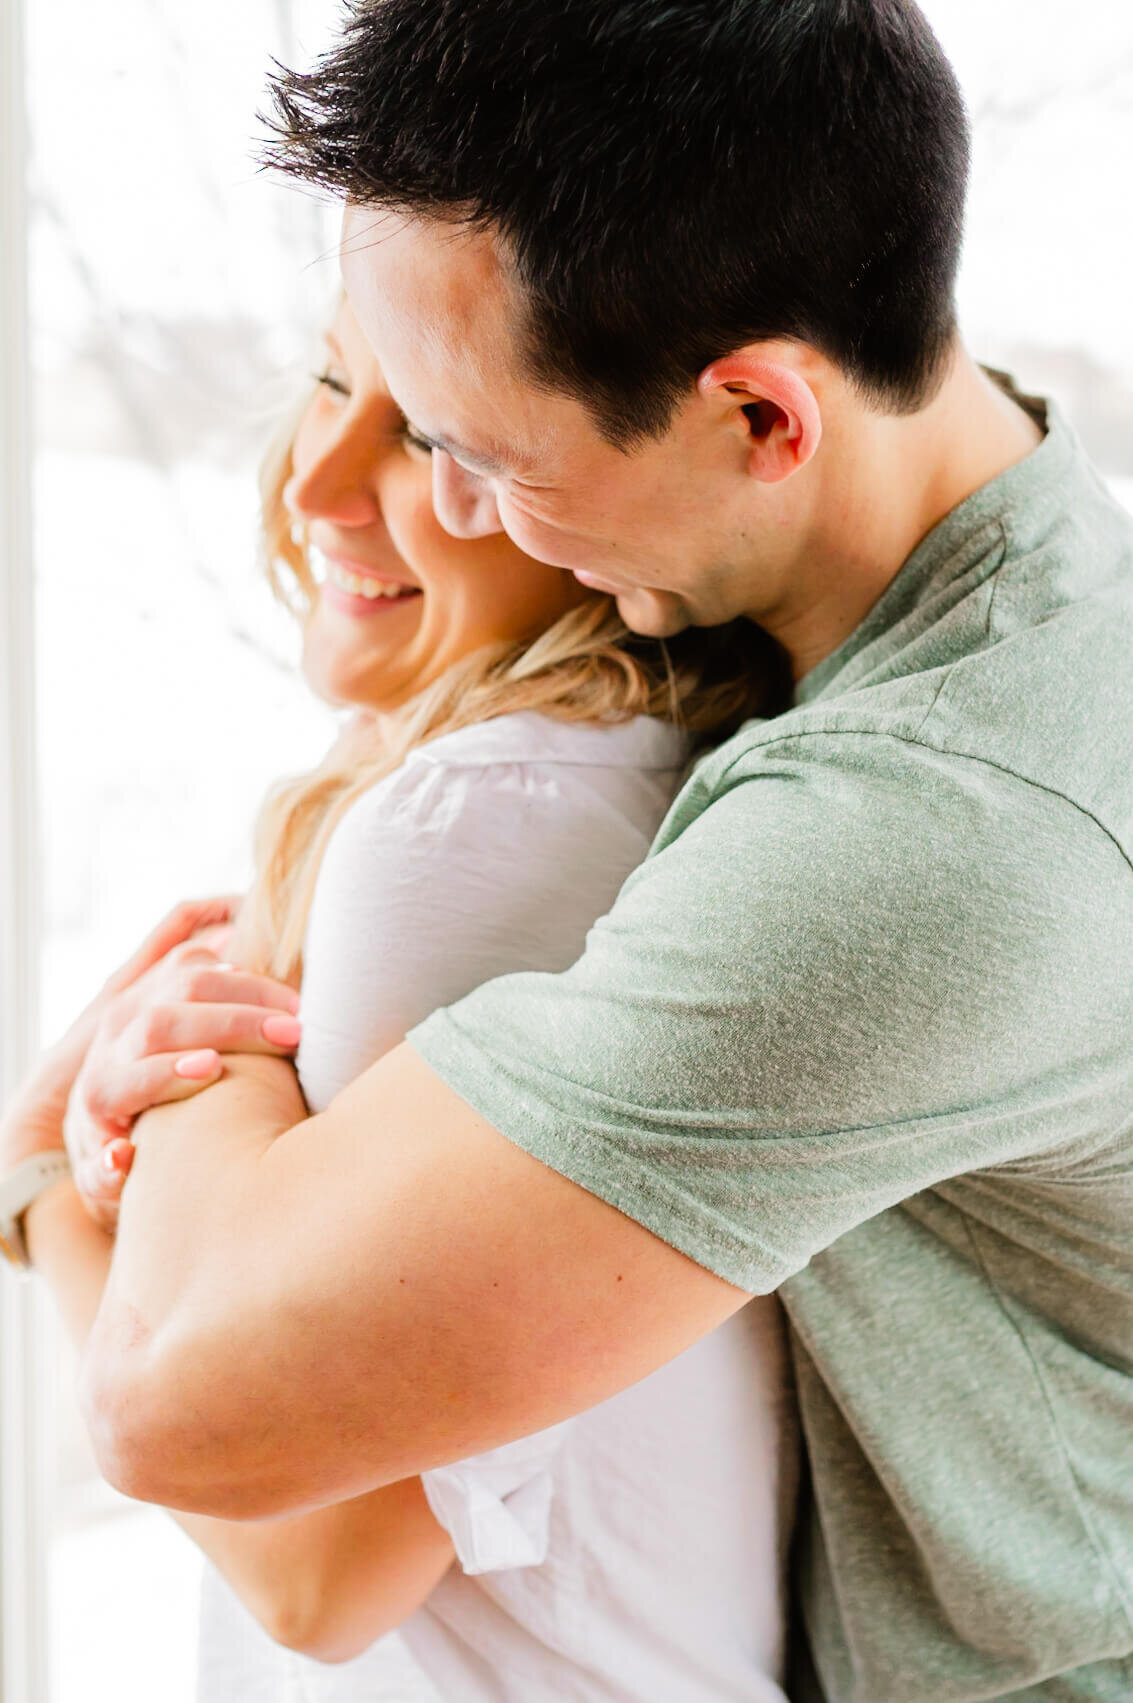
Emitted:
<point x="668" y="289"/>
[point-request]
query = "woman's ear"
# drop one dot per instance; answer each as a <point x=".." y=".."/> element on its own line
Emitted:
<point x="773" y="403"/>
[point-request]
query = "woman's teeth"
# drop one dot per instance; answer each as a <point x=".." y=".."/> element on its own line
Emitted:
<point x="364" y="585"/>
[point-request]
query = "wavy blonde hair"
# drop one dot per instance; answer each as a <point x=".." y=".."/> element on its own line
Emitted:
<point x="587" y="667"/>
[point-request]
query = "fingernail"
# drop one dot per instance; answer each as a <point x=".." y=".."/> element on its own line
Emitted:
<point x="115" y="1158"/>
<point x="198" y="1064"/>
<point x="293" y="1003"/>
<point x="281" y="1031"/>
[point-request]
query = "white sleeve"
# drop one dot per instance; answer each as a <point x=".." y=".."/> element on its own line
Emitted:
<point x="440" y="878"/>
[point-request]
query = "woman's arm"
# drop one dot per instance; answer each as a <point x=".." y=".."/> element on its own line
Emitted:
<point x="329" y="1584"/>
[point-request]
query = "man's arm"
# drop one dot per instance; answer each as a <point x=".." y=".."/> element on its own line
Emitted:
<point x="327" y="1584"/>
<point x="302" y="1310"/>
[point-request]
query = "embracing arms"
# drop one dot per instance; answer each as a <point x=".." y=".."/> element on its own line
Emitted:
<point x="395" y="1277"/>
<point x="200" y="1219"/>
<point x="400" y="1280"/>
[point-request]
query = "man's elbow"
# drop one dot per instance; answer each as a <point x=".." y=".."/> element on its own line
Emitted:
<point x="135" y="1445"/>
<point x="153" y="1442"/>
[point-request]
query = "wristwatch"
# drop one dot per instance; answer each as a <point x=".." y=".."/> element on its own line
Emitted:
<point x="17" y="1191"/>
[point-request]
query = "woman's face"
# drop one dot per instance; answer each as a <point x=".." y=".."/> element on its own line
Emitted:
<point x="399" y="599"/>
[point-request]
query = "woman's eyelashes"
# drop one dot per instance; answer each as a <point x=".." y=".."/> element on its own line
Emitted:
<point x="403" y="431"/>
<point x="331" y="381"/>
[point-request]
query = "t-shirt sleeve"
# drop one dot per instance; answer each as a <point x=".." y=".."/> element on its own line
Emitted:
<point x="864" y="967"/>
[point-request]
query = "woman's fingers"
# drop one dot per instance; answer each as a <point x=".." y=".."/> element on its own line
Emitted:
<point x="134" y="1088"/>
<point x="170" y="1053"/>
<point x="189" y="1027"/>
<point x="100" y="1180"/>
<point x="221" y="984"/>
<point x="101" y="1153"/>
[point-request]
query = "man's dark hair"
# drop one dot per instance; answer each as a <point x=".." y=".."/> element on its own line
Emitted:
<point x="672" y="179"/>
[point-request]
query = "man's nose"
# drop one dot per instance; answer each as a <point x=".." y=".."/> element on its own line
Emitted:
<point x="465" y="503"/>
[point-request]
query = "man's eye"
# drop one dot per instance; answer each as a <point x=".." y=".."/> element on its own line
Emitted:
<point x="413" y="439"/>
<point x="331" y="382"/>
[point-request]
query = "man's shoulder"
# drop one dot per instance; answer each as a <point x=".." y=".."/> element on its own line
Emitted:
<point x="1005" y="643"/>
<point x="1047" y="703"/>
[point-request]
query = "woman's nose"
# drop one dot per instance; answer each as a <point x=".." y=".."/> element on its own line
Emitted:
<point x="338" y="483"/>
<point x="464" y="503"/>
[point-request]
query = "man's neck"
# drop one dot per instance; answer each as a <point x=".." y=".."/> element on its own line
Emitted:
<point x="884" y="483"/>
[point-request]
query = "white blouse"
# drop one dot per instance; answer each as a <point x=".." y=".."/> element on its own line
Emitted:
<point x="633" y="1554"/>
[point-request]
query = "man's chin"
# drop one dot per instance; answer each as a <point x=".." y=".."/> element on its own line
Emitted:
<point x="653" y="614"/>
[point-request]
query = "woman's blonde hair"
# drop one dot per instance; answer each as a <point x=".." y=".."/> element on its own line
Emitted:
<point x="587" y="667"/>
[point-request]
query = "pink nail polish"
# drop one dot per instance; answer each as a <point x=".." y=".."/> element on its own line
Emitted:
<point x="197" y="1065"/>
<point x="281" y="1031"/>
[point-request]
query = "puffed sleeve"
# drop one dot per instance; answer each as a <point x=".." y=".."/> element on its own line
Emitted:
<point x="440" y="878"/>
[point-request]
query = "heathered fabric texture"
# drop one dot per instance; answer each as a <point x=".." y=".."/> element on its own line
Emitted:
<point x="862" y="1026"/>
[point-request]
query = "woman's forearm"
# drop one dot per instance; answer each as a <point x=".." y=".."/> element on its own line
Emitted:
<point x="330" y="1583"/>
<point x="327" y="1583"/>
<point x="72" y="1254"/>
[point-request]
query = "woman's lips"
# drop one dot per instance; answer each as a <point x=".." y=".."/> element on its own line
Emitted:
<point x="358" y="591"/>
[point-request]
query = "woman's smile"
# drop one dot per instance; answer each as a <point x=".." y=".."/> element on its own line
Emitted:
<point x="360" y="590"/>
<point x="361" y="488"/>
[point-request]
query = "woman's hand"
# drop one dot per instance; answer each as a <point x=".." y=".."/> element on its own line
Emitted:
<point x="33" y="1122"/>
<point x="159" y="1040"/>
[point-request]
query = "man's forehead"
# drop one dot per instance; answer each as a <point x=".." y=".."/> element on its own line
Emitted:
<point x="432" y="300"/>
<point x="438" y="307"/>
<point x="438" y="274"/>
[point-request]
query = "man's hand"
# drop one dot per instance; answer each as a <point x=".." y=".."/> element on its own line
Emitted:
<point x="159" y="1040"/>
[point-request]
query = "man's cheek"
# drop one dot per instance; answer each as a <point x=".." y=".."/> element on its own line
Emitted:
<point x="545" y="543"/>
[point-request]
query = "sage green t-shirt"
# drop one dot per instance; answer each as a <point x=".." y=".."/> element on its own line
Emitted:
<point x="862" y="1027"/>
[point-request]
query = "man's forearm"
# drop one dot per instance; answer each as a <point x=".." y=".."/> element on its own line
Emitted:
<point x="327" y="1583"/>
<point x="193" y="1214"/>
<point x="195" y="1164"/>
<point x="301" y="1312"/>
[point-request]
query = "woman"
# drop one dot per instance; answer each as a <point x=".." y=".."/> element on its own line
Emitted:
<point x="512" y="751"/>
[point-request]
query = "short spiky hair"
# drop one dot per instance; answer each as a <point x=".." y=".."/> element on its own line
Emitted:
<point x="672" y="178"/>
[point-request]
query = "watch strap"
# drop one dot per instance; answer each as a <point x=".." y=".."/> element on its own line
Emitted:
<point x="17" y="1191"/>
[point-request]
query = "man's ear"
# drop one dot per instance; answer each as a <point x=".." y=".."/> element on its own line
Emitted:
<point x="783" y="418"/>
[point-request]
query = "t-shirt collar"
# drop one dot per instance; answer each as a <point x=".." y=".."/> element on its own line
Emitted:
<point x="947" y="550"/>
